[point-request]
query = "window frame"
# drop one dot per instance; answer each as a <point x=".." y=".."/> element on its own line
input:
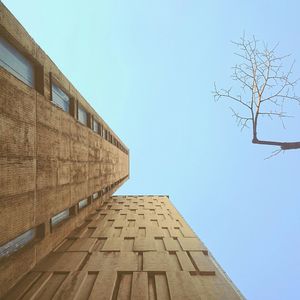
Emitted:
<point x="37" y="68"/>
<point x="23" y="64"/>
<point x="54" y="82"/>
<point x="82" y="206"/>
<point x="80" y="107"/>
<point x="98" y="125"/>
<point x="94" y="198"/>
<point x="38" y="234"/>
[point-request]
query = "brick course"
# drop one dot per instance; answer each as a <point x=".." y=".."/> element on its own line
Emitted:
<point x="48" y="160"/>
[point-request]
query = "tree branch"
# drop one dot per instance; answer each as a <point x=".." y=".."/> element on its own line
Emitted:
<point x="259" y="74"/>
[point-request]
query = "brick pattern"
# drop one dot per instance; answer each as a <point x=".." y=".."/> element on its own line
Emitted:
<point x="116" y="247"/>
<point x="133" y="247"/>
<point x="48" y="160"/>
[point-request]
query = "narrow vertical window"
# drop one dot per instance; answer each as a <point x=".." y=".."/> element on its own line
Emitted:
<point x="95" y="126"/>
<point x="101" y="130"/>
<point x="16" y="63"/>
<point x="82" y="115"/>
<point x="60" y="98"/>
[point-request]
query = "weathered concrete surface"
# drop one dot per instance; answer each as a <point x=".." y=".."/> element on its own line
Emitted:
<point x="134" y="247"/>
<point x="48" y="160"/>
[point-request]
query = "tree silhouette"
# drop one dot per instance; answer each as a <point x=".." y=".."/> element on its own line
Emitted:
<point x="266" y="88"/>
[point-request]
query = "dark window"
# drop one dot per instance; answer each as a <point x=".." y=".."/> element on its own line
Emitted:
<point x="16" y="63"/>
<point x="60" y="98"/>
<point x="101" y="130"/>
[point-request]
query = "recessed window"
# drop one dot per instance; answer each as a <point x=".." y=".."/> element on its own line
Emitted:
<point x="61" y="216"/>
<point x="101" y="130"/>
<point x="95" y="126"/>
<point x="82" y="203"/>
<point x="60" y="98"/>
<point x="82" y="115"/>
<point x="18" y="243"/>
<point x="16" y="63"/>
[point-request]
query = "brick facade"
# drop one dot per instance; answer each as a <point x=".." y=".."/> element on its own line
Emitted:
<point x="133" y="247"/>
<point x="48" y="160"/>
<point x="104" y="247"/>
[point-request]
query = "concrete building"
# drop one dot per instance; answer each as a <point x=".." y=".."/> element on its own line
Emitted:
<point x="62" y="233"/>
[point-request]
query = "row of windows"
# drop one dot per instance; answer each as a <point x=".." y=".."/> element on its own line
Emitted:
<point x="21" y="67"/>
<point x="68" y="212"/>
<point x="62" y="100"/>
<point x="37" y="233"/>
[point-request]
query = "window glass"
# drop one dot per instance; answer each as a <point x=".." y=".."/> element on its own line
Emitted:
<point x="60" y="98"/>
<point x="100" y="130"/>
<point x="60" y="217"/>
<point x="16" y="63"/>
<point x="95" y="126"/>
<point x="17" y="243"/>
<point x="82" y="203"/>
<point x="82" y="115"/>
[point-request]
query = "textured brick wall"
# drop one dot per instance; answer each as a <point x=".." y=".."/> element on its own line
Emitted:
<point x="48" y="160"/>
<point x="134" y="247"/>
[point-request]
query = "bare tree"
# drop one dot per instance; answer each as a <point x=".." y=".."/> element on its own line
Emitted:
<point x="266" y="88"/>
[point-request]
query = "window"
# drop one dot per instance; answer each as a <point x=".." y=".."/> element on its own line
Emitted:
<point x="95" y="126"/>
<point x="16" y="63"/>
<point x="82" y="115"/>
<point x="101" y="130"/>
<point x="60" y="98"/>
<point x="58" y="218"/>
<point x="17" y="243"/>
<point x="82" y="203"/>
<point x="95" y="196"/>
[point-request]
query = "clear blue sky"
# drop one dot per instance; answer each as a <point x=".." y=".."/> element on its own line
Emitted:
<point x="148" y="68"/>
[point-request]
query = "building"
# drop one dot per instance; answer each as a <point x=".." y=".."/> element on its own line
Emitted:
<point x="62" y="233"/>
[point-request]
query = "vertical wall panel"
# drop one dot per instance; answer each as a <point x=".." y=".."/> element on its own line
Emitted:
<point x="136" y="264"/>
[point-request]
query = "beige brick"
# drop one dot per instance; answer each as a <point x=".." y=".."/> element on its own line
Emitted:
<point x="17" y="176"/>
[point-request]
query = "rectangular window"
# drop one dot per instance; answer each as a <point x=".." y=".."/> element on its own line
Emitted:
<point x="58" y="218"/>
<point x="16" y="63"/>
<point x="17" y="243"/>
<point x="95" y="126"/>
<point x="100" y="130"/>
<point x="60" y="98"/>
<point x="95" y="196"/>
<point x="82" y="115"/>
<point x="82" y="203"/>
